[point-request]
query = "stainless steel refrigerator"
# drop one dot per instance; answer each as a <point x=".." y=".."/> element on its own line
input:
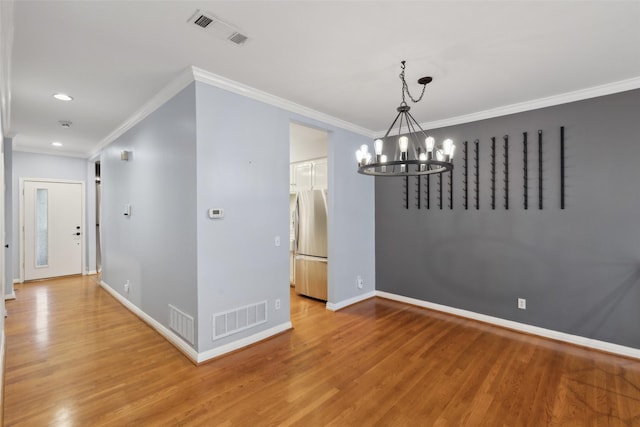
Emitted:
<point x="311" y="244"/>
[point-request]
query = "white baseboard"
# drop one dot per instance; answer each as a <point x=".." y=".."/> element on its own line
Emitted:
<point x="520" y="327"/>
<point x="12" y="295"/>
<point x="90" y="272"/>
<point x="15" y="281"/>
<point x="236" y="345"/>
<point x="344" y="303"/>
<point x="181" y="345"/>
<point x="160" y="328"/>
<point x="2" y="351"/>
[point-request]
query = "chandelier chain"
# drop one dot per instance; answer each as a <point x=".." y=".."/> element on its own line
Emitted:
<point x="405" y="88"/>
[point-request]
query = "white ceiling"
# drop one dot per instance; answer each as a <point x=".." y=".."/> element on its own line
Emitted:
<point x="339" y="58"/>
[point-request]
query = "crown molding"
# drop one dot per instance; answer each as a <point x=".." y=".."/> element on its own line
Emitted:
<point x="203" y="76"/>
<point x="33" y="150"/>
<point x="6" y="47"/>
<point x="191" y="74"/>
<point x="549" y="101"/>
<point x="169" y="91"/>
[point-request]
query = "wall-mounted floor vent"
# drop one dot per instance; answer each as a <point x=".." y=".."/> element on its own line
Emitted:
<point x="239" y="319"/>
<point x="217" y="27"/>
<point x="181" y="323"/>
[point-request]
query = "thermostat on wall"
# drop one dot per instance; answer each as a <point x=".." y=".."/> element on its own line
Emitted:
<point x="216" y="213"/>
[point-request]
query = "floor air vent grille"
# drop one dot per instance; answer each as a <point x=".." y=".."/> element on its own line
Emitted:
<point x="181" y="323"/>
<point x="239" y="319"/>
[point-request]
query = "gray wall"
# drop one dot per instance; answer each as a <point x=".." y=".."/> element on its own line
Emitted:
<point x="243" y="167"/>
<point x="578" y="268"/>
<point x="31" y="165"/>
<point x="155" y="248"/>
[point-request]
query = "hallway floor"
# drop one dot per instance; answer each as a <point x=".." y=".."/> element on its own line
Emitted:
<point x="76" y="357"/>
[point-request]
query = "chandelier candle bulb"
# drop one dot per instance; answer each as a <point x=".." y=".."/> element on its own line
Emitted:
<point x="383" y="159"/>
<point x="423" y="158"/>
<point x="377" y="146"/>
<point x="403" y="142"/>
<point x="430" y="142"/>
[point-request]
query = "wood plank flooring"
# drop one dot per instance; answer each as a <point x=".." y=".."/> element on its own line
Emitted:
<point x="76" y="357"/>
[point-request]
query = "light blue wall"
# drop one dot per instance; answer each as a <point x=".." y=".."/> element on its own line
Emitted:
<point x="30" y="165"/>
<point x="207" y="148"/>
<point x="155" y="248"/>
<point x="243" y="167"/>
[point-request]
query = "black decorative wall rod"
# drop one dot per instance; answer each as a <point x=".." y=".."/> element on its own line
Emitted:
<point x="428" y="191"/>
<point x="540" y="169"/>
<point x="493" y="172"/>
<point x="525" y="167"/>
<point x="561" y="167"/>
<point x="506" y="171"/>
<point x="477" y="172"/>
<point x="406" y="192"/>
<point x="418" y="193"/>
<point x="440" y="190"/>
<point x="465" y="176"/>
<point x="450" y="189"/>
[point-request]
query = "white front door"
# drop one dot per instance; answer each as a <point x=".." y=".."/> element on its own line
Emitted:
<point x="53" y="234"/>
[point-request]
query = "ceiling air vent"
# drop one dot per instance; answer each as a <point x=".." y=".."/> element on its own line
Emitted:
<point x="217" y="27"/>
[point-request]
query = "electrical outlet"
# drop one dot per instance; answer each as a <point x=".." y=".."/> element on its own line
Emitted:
<point x="277" y="304"/>
<point x="522" y="303"/>
<point x="359" y="282"/>
<point x="126" y="287"/>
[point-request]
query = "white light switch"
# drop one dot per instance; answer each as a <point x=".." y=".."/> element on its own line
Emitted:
<point x="276" y="241"/>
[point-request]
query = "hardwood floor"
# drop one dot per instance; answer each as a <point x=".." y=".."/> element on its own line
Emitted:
<point x="76" y="357"/>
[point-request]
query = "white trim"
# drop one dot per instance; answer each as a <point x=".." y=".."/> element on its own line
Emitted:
<point x="520" y="327"/>
<point x="34" y="150"/>
<point x="549" y="101"/>
<point x="90" y="272"/>
<point x="197" y="74"/>
<point x="173" y="338"/>
<point x="16" y="281"/>
<point x="243" y="342"/>
<point x="10" y="296"/>
<point x="159" y="99"/>
<point x="181" y="345"/>
<point x="204" y="76"/>
<point x="2" y="356"/>
<point x="83" y="241"/>
<point x="347" y="302"/>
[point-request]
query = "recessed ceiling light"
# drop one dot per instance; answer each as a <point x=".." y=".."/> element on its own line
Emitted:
<point x="56" y="144"/>
<point x="62" y="97"/>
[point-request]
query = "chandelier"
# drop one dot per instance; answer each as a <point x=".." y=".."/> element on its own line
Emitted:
<point x="426" y="158"/>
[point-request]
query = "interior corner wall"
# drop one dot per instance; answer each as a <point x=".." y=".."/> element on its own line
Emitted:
<point x="243" y="167"/>
<point x="578" y="268"/>
<point x="90" y="218"/>
<point x="31" y="165"/>
<point x="154" y="248"/>
<point x="8" y="216"/>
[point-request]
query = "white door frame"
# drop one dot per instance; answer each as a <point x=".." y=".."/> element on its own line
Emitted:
<point x="83" y="241"/>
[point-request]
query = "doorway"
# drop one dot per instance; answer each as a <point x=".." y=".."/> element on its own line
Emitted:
<point x="52" y="228"/>
<point x="308" y="186"/>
